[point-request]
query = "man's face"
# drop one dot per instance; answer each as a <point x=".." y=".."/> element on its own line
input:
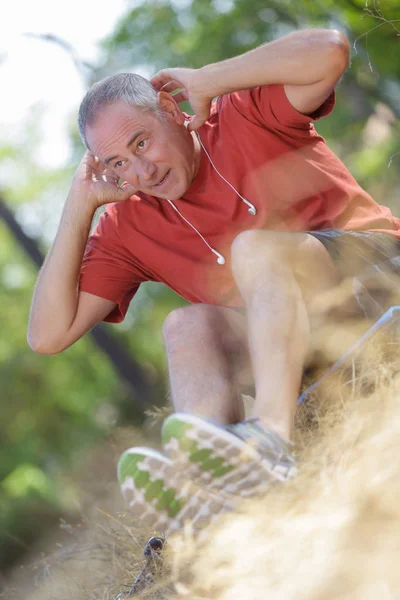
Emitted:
<point x="154" y="154"/>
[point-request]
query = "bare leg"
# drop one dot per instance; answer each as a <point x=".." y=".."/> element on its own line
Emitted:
<point x="279" y="275"/>
<point x="206" y="348"/>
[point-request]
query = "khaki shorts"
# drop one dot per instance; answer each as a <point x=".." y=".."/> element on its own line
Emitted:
<point x="372" y="260"/>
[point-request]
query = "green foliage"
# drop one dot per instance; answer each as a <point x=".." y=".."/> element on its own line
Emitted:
<point x="161" y="33"/>
<point x="179" y="33"/>
<point x="49" y="404"/>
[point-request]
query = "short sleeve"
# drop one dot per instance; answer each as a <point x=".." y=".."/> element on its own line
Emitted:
<point x="270" y="106"/>
<point x="108" y="270"/>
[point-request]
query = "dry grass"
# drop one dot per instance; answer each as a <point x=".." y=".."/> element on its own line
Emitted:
<point x="329" y="533"/>
<point x="98" y="556"/>
<point x="333" y="531"/>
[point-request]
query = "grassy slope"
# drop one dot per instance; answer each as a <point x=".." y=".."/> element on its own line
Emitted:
<point x="332" y="532"/>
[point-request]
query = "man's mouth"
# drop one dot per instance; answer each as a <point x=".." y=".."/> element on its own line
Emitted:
<point x="163" y="180"/>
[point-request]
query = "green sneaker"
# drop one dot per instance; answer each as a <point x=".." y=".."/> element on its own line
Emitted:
<point x="235" y="460"/>
<point x="160" y="497"/>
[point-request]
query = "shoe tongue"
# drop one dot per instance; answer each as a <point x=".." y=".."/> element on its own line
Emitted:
<point x="251" y="429"/>
<point x="248" y="430"/>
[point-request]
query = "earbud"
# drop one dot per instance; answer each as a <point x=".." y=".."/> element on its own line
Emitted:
<point x="252" y="210"/>
<point x="221" y="260"/>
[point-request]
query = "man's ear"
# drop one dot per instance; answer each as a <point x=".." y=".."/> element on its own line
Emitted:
<point x="170" y="107"/>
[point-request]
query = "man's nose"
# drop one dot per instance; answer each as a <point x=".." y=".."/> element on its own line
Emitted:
<point x="144" y="168"/>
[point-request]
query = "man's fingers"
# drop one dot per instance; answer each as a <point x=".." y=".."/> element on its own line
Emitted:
<point x="195" y="123"/>
<point x="125" y="192"/>
<point x="161" y="78"/>
<point x="110" y="176"/>
<point x="100" y="169"/>
<point x="201" y="114"/>
<point x="87" y="166"/>
<point x="89" y="158"/>
<point x="171" y="85"/>
<point x="181" y="96"/>
<point x="200" y="117"/>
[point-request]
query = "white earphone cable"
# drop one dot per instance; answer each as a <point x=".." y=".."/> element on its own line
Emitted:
<point x="252" y="209"/>
<point x="220" y="259"/>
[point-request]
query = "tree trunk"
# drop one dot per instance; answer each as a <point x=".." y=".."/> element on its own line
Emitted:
<point x="126" y="367"/>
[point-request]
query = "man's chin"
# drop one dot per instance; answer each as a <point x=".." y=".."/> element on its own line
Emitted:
<point x="171" y="192"/>
<point x="174" y="194"/>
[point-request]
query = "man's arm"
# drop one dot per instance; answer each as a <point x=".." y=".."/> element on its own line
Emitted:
<point x="60" y="313"/>
<point x="308" y="63"/>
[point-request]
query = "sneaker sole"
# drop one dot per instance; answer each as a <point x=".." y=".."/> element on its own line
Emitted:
<point x="158" y="495"/>
<point x="214" y="458"/>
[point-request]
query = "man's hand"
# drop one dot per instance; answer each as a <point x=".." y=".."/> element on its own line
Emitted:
<point x="308" y="63"/>
<point x="97" y="184"/>
<point x="193" y="86"/>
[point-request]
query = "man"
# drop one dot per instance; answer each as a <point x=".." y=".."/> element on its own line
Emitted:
<point x="242" y="210"/>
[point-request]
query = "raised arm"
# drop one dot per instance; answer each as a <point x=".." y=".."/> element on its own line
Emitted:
<point x="60" y="313"/>
<point x="309" y="63"/>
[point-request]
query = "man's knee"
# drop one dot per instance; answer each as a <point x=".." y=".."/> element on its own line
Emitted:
<point x="258" y="248"/>
<point x="273" y="256"/>
<point x="187" y="321"/>
<point x="261" y="245"/>
<point x="246" y="243"/>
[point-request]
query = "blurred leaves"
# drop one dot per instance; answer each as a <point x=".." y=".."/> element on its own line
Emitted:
<point x="167" y="33"/>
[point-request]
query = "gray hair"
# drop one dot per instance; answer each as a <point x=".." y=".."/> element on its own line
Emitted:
<point x="128" y="87"/>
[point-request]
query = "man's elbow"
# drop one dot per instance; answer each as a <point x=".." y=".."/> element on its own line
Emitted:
<point x="43" y="346"/>
<point x="339" y="51"/>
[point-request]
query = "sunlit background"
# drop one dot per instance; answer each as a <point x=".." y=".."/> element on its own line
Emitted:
<point x="35" y="73"/>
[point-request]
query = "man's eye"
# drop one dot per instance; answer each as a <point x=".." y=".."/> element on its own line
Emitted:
<point x="142" y="144"/>
<point x="118" y="164"/>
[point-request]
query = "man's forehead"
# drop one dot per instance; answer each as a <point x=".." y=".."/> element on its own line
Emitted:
<point x="114" y="123"/>
<point x="120" y="112"/>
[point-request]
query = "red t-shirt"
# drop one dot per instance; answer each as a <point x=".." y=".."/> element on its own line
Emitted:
<point x="273" y="156"/>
